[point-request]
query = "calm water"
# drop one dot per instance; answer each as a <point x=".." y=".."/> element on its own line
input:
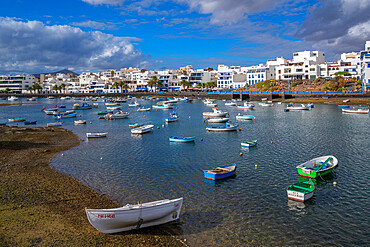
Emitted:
<point x="250" y="209"/>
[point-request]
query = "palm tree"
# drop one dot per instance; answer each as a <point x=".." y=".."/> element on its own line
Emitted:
<point x="56" y="88"/>
<point x="125" y="86"/>
<point x="159" y="85"/>
<point x="37" y="87"/>
<point x="184" y="83"/>
<point x="111" y="73"/>
<point x="30" y="88"/>
<point x="154" y="81"/>
<point x="115" y="85"/>
<point x="211" y="84"/>
<point x="201" y="85"/>
<point x="64" y="87"/>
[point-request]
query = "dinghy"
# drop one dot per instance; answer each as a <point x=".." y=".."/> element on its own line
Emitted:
<point x="217" y="120"/>
<point x="137" y="216"/>
<point x="54" y="124"/>
<point x="249" y="144"/>
<point x="246" y="105"/>
<point x="17" y="119"/>
<point x="78" y="122"/>
<point x="227" y="127"/>
<point x="216" y="113"/>
<point x="172" y="118"/>
<point x="245" y="117"/>
<point x="142" y="129"/>
<point x="317" y="167"/>
<point x="357" y="111"/>
<point x="117" y="115"/>
<point x="220" y="172"/>
<point x="301" y="191"/>
<point x="143" y="109"/>
<point x="96" y="135"/>
<point x="135" y="125"/>
<point x="30" y="122"/>
<point x="182" y="138"/>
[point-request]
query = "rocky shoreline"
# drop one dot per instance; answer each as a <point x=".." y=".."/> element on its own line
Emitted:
<point x="41" y="206"/>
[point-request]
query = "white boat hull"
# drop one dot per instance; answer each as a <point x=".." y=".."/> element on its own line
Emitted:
<point x="142" y="129"/>
<point x="299" y="196"/>
<point x="218" y="120"/>
<point x="132" y="217"/>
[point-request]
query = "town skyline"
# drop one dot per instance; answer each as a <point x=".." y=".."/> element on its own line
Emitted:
<point x="95" y="35"/>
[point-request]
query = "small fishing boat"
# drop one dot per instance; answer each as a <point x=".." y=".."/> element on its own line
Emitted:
<point x="182" y="138"/>
<point x="78" y="122"/>
<point x="17" y="119"/>
<point x="164" y="106"/>
<point x="135" y="125"/>
<point x="117" y="115"/>
<point x="96" y="135"/>
<point x="104" y="112"/>
<point x="54" y="124"/>
<point x="230" y="104"/>
<point x="346" y="101"/>
<point x="357" y="111"/>
<point x="317" y="167"/>
<point x="32" y="99"/>
<point x="66" y="115"/>
<point x="245" y="117"/>
<point x="298" y="108"/>
<point x="246" y="105"/>
<point x="30" y="122"/>
<point x="51" y="111"/>
<point x="212" y="104"/>
<point x="227" y="127"/>
<point x="301" y="191"/>
<point x="84" y="106"/>
<point x="137" y="216"/>
<point x="344" y="106"/>
<point x="12" y="98"/>
<point x="143" y="109"/>
<point x="121" y="100"/>
<point x="217" y="120"/>
<point x="172" y="118"/>
<point x="51" y="97"/>
<point x="249" y="143"/>
<point x="95" y="105"/>
<point x="142" y="129"/>
<point x="112" y="103"/>
<point x="62" y="106"/>
<point x="266" y="104"/>
<point x="113" y="108"/>
<point x="134" y="104"/>
<point x="216" y="113"/>
<point x="220" y="172"/>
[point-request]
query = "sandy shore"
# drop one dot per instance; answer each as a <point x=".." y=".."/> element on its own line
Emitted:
<point x="41" y="206"/>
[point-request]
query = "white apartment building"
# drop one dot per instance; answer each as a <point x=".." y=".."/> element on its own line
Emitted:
<point x="201" y="76"/>
<point x="16" y="83"/>
<point x="225" y="77"/>
<point x="259" y="73"/>
<point x="365" y="66"/>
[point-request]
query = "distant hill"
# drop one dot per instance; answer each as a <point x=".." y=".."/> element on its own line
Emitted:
<point x="64" y="71"/>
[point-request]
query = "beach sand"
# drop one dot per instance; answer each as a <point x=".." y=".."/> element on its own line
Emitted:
<point x="41" y="206"/>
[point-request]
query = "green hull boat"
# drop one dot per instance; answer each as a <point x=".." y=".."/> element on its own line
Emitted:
<point x="317" y="167"/>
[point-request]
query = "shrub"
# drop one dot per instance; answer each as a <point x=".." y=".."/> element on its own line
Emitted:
<point x="340" y="89"/>
<point x="359" y="82"/>
<point x="274" y="88"/>
<point x="294" y="84"/>
<point x="266" y="87"/>
<point x="258" y="85"/>
<point x="299" y="81"/>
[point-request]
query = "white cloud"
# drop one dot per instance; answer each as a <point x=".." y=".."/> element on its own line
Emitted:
<point x="106" y="2"/>
<point x="95" y="25"/>
<point x="31" y="46"/>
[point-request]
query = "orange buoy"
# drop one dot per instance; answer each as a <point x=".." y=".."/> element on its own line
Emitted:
<point x="272" y="142"/>
<point x="240" y="129"/>
<point x="241" y="154"/>
<point x="335" y="183"/>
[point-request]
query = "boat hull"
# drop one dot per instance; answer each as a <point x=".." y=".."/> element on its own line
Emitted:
<point x="309" y="168"/>
<point x="134" y="216"/>
<point x="299" y="196"/>
<point x="249" y="144"/>
<point x="218" y="176"/>
<point x="182" y="139"/>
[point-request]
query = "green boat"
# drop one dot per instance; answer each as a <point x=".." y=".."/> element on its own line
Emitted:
<point x="301" y="191"/>
<point x="249" y="143"/>
<point x="317" y="167"/>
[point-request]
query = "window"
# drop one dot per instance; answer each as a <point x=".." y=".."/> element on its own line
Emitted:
<point x="312" y="69"/>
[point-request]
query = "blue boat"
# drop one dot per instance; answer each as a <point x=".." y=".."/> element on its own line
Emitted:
<point x="182" y="138"/>
<point x="220" y="172"/>
<point x="343" y="106"/>
<point x="173" y="117"/>
<point x="362" y="105"/>
<point x="66" y="115"/>
<point x="2" y="124"/>
<point x="84" y="106"/>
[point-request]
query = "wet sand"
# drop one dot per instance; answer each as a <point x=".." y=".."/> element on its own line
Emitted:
<point x="41" y="206"/>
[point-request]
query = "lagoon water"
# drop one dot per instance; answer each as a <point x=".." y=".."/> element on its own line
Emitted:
<point x="250" y="209"/>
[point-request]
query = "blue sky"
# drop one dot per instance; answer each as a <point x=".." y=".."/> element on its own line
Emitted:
<point x="84" y="35"/>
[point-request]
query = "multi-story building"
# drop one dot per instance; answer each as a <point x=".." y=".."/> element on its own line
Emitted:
<point x="365" y="66"/>
<point x="16" y="83"/>
<point x="201" y="76"/>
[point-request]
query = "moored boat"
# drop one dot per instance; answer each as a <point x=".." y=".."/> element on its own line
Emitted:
<point x="298" y="108"/>
<point x="317" y="167"/>
<point x="112" y="108"/>
<point x="216" y="113"/>
<point x="54" y="124"/>
<point x="84" y="106"/>
<point x="220" y="172"/>
<point x="164" y="106"/>
<point x="96" y="135"/>
<point x="143" y="129"/>
<point x="301" y="191"/>
<point x="143" y="109"/>
<point x="77" y="122"/>
<point x="117" y="115"/>
<point x="134" y="104"/>
<point x="249" y="143"/>
<point x="104" y="112"/>
<point x="356" y="111"/>
<point x="227" y="127"/>
<point x="343" y="106"/>
<point x="245" y="117"/>
<point x="66" y="115"/>
<point x="266" y="104"/>
<point x="182" y="138"/>
<point x="230" y="103"/>
<point x="246" y="105"/>
<point x="17" y="119"/>
<point x="137" y="216"/>
<point x="172" y="118"/>
<point x="135" y="125"/>
<point x="30" y="122"/>
<point x="217" y="120"/>
<point x="12" y="98"/>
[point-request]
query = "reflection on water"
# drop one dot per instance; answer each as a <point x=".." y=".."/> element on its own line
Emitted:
<point x="247" y="210"/>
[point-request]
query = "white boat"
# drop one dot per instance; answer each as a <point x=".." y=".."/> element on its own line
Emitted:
<point x="12" y="98"/>
<point x="134" y="104"/>
<point x="346" y="100"/>
<point x="137" y="216"/>
<point x="117" y="115"/>
<point x="246" y="105"/>
<point x="113" y="108"/>
<point x="217" y="120"/>
<point x="230" y="104"/>
<point x="164" y="106"/>
<point x="96" y="135"/>
<point x="54" y="124"/>
<point x="173" y="117"/>
<point x="142" y="129"/>
<point x="216" y="113"/>
<point x="357" y="111"/>
<point x="143" y="109"/>
<point x="266" y="104"/>
<point x="51" y="97"/>
<point x="95" y="105"/>
<point x="32" y="99"/>
<point x="299" y="108"/>
<point x="211" y="104"/>
<point x="227" y="127"/>
<point x="17" y="119"/>
<point x="245" y="117"/>
<point x="77" y="122"/>
<point x="51" y="111"/>
<point x="112" y="103"/>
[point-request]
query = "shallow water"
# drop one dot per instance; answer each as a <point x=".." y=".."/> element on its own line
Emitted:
<point x="249" y="209"/>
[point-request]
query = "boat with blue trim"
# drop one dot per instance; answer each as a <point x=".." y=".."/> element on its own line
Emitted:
<point x="182" y="138"/>
<point x="249" y="143"/>
<point x="173" y="117"/>
<point x="226" y="127"/>
<point x="245" y="117"/>
<point x="220" y="172"/>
